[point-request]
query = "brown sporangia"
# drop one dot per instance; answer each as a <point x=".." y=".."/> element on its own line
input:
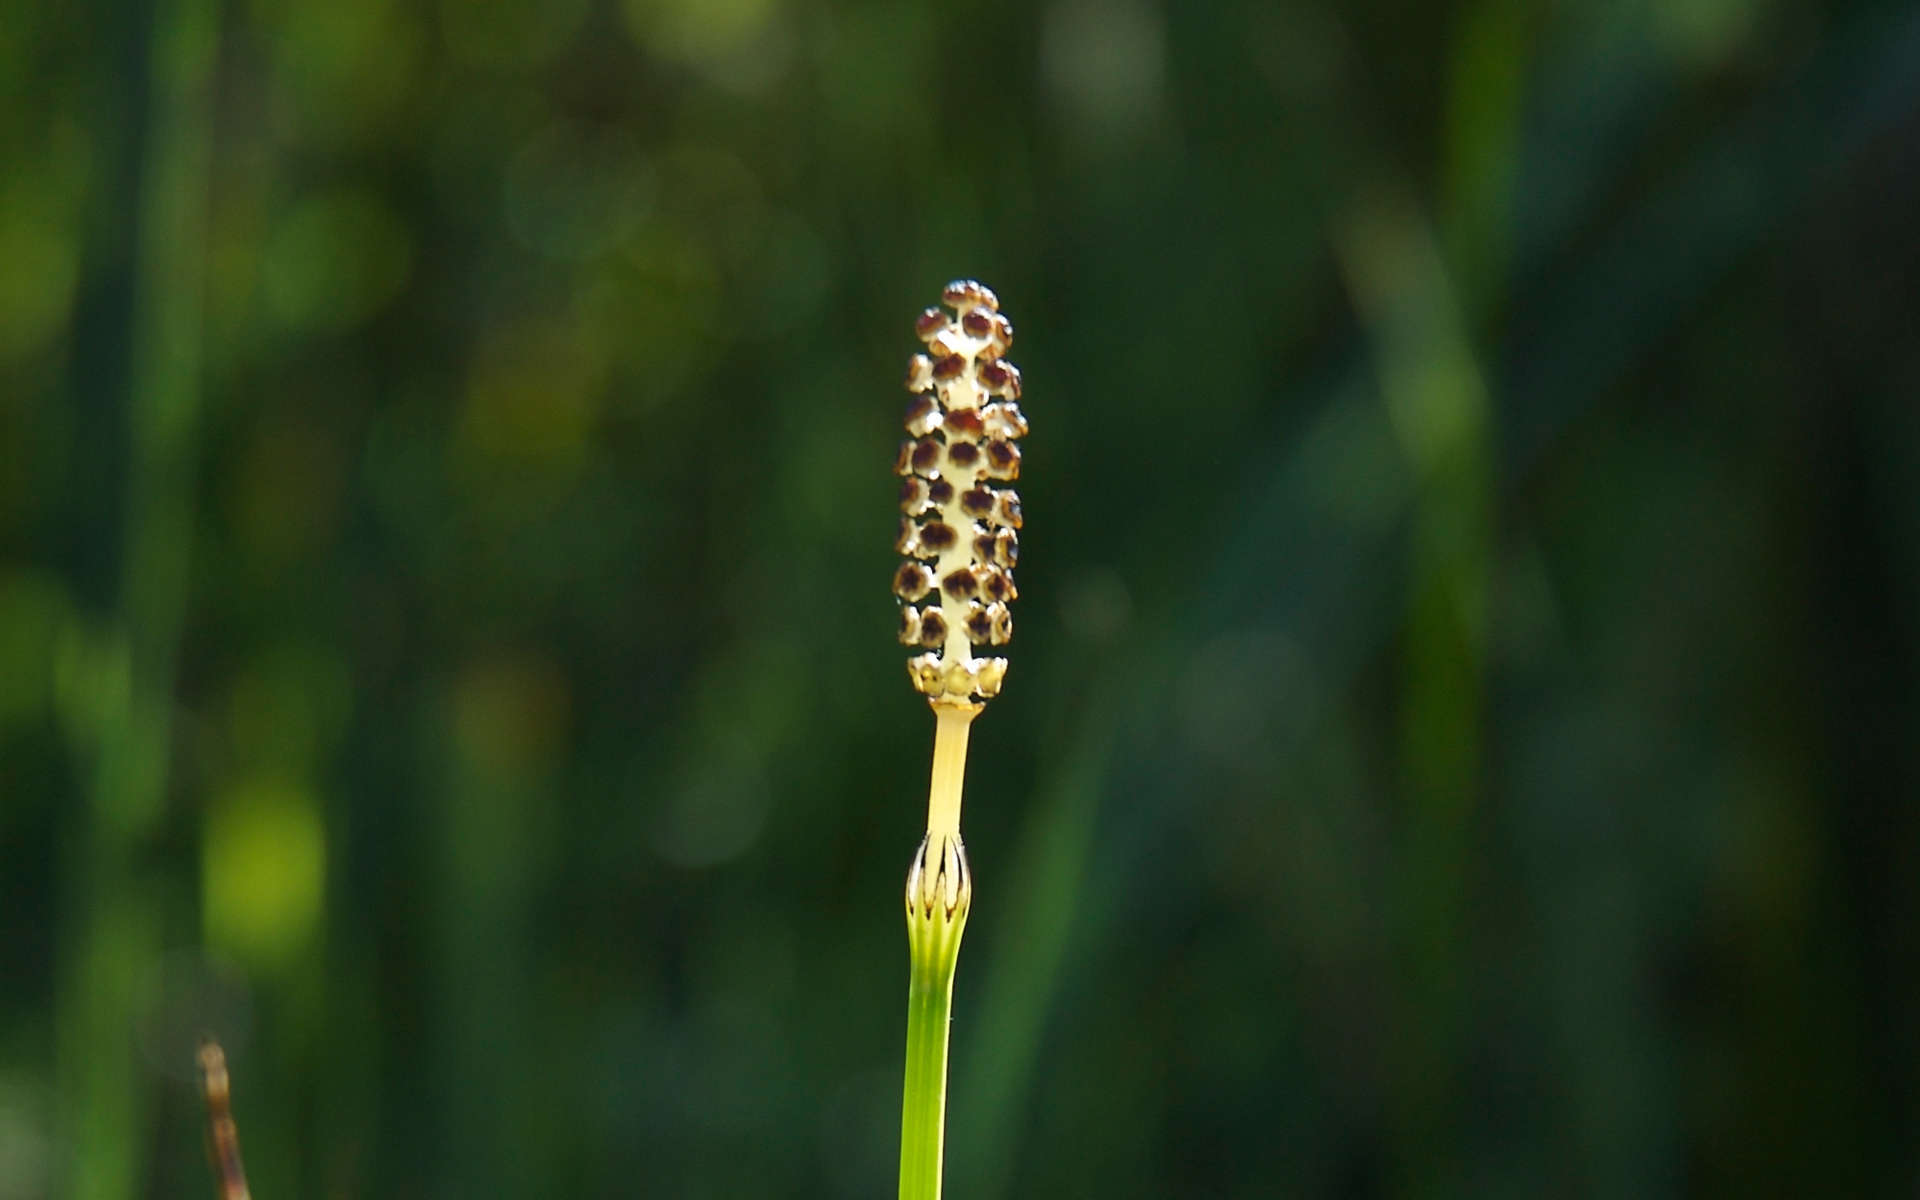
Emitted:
<point x="958" y="531"/>
<point x="1001" y="378"/>
<point x="1006" y="549"/>
<point x="961" y="584"/>
<point x="937" y="536"/>
<point x="997" y="583"/>
<point x="1003" y="422"/>
<point x="912" y="581"/>
<point x="923" y="412"/>
<point x="1003" y="459"/>
<point x="963" y="294"/>
<point x="933" y="627"/>
<point x="1002" y="619"/>
<point x="964" y="424"/>
<point x="979" y="624"/>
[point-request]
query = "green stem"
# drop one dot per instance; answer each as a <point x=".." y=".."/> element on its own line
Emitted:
<point x="939" y="892"/>
<point x="923" y="1115"/>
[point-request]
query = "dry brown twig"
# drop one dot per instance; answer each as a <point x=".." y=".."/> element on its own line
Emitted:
<point x="223" y="1136"/>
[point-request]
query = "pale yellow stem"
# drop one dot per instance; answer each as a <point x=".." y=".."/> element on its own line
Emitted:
<point x="952" y="721"/>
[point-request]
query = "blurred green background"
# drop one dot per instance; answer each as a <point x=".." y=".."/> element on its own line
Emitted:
<point x="1461" y="737"/>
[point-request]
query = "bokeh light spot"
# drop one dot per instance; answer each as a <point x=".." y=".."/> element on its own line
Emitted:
<point x="736" y="43"/>
<point x="1104" y="61"/>
<point x="1244" y="696"/>
<point x="285" y="492"/>
<point x="336" y="260"/>
<point x="344" y="70"/>
<point x="1706" y="33"/>
<point x="715" y="814"/>
<point x="511" y="713"/>
<point x="532" y="400"/>
<point x="1095" y="605"/>
<point x="572" y="193"/>
<point x="263" y="869"/>
<point x="285" y="707"/>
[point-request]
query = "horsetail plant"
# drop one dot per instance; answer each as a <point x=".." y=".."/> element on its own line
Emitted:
<point x="959" y="536"/>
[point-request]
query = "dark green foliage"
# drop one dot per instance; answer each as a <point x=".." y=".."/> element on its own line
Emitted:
<point x="1461" y="738"/>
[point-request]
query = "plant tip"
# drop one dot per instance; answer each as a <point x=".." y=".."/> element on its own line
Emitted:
<point x="959" y="531"/>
